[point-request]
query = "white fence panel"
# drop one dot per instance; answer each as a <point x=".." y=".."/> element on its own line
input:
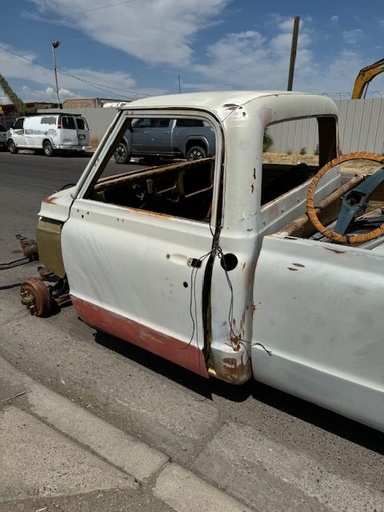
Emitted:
<point x="361" y="127"/>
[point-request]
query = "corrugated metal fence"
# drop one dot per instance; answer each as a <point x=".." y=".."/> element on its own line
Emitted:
<point x="361" y="127"/>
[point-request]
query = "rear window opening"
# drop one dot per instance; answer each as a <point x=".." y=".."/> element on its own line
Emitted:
<point x="68" y="123"/>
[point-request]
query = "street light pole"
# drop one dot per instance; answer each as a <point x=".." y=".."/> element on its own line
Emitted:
<point x="56" y="44"/>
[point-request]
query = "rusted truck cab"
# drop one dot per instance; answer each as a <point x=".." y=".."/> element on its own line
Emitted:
<point x="199" y="262"/>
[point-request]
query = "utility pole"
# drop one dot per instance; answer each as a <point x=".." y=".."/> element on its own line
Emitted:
<point x="56" y="44"/>
<point x="295" y="37"/>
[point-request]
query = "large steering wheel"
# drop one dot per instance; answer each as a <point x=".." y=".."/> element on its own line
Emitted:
<point x="353" y="202"/>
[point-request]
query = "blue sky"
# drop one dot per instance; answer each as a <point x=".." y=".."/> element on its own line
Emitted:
<point x="127" y="49"/>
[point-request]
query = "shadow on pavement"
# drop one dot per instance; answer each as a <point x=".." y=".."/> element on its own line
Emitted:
<point x="208" y="388"/>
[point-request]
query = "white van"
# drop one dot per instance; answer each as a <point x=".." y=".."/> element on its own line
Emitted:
<point x="49" y="132"/>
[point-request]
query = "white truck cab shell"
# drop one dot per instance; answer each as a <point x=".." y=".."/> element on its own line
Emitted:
<point x="224" y="291"/>
<point x="49" y="132"/>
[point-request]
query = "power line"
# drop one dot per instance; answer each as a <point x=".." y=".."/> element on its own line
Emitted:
<point x="95" y="85"/>
<point x="37" y="17"/>
<point x="100" y="86"/>
<point x="101" y="7"/>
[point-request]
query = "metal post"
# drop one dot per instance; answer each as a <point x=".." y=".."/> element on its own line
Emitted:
<point x="56" y="44"/>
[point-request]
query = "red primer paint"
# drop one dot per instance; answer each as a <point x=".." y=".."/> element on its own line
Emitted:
<point x="172" y="349"/>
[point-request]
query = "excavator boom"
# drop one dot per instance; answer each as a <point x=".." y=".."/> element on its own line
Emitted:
<point x="365" y="76"/>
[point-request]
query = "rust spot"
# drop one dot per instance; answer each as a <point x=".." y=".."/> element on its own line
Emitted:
<point x="235" y="341"/>
<point x="36" y="296"/>
<point x="48" y="200"/>
<point x="235" y="372"/>
<point x="149" y="213"/>
<point x="242" y="322"/>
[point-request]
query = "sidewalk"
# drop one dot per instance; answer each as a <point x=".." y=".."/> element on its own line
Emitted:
<point x="55" y="455"/>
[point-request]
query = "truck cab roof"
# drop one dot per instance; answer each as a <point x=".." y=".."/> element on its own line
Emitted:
<point x="279" y="104"/>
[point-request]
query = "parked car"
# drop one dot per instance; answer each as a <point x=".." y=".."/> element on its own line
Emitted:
<point x="49" y="132"/>
<point x="3" y="137"/>
<point x="169" y="138"/>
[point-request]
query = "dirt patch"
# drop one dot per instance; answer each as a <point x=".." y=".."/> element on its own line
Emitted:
<point x="359" y="166"/>
<point x="290" y="159"/>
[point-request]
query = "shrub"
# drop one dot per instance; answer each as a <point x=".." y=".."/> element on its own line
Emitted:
<point x="267" y="141"/>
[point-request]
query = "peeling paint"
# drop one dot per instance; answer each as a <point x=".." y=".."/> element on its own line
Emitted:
<point x="187" y="356"/>
<point x="336" y="251"/>
<point x="49" y="200"/>
<point x="235" y="342"/>
<point x="234" y="371"/>
<point x="230" y="106"/>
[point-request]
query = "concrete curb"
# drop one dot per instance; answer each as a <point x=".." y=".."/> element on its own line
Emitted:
<point x="109" y="457"/>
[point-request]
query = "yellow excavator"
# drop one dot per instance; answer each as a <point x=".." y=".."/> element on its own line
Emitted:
<point x="363" y="78"/>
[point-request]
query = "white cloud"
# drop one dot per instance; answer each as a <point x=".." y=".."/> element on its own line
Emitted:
<point x="335" y="77"/>
<point x="16" y="65"/>
<point x="156" y="31"/>
<point x="250" y="60"/>
<point x="47" y="95"/>
<point x="89" y="79"/>
<point x="352" y="36"/>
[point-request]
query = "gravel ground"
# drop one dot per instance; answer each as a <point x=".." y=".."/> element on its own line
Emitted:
<point x="358" y="166"/>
